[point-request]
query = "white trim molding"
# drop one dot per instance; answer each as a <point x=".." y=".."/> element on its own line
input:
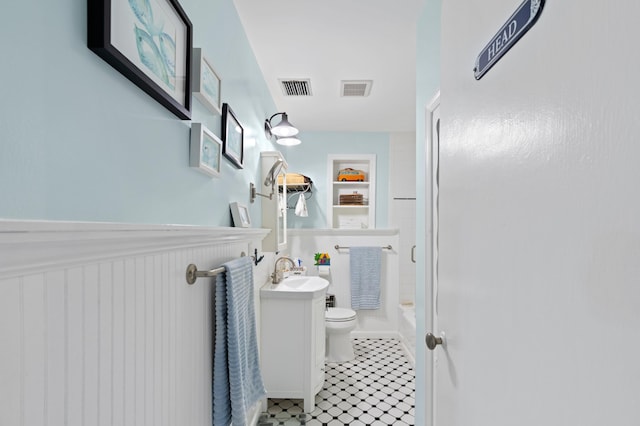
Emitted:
<point x="46" y="245"/>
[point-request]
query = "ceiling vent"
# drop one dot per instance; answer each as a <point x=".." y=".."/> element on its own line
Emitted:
<point x="296" y="87"/>
<point x="355" y="88"/>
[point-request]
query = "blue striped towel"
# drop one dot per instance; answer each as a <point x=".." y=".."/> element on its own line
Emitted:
<point x="237" y="380"/>
<point x="365" y="265"/>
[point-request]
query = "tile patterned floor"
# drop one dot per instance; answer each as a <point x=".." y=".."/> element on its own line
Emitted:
<point x="377" y="388"/>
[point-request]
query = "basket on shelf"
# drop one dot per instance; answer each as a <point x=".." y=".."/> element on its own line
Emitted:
<point x="354" y="199"/>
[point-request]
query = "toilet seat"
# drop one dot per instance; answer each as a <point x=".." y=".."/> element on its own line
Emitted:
<point x="339" y="315"/>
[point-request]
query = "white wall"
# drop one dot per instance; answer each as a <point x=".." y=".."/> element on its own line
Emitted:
<point x="305" y="243"/>
<point x="539" y="231"/>
<point x="99" y="327"/>
<point x="402" y="207"/>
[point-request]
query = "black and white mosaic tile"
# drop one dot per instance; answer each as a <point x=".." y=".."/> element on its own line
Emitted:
<point x="377" y="388"/>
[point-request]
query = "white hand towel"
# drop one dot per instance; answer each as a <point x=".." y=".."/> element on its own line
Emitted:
<point x="301" y="206"/>
<point x="365" y="265"/>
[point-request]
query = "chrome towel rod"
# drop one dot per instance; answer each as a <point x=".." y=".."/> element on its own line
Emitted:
<point x="337" y="247"/>
<point x="193" y="274"/>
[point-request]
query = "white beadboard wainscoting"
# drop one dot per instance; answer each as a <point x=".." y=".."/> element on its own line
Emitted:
<point x="383" y="322"/>
<point x="99" y="327"/>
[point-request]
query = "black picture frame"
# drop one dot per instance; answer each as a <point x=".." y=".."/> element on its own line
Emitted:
<point x="232" y="137"/>
<point x="161" y="69"/>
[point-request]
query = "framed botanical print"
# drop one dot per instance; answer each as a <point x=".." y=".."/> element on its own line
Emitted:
<point x="206" y="82"/>
<point x="232" y="137"/>
<point x="205" y="150"/>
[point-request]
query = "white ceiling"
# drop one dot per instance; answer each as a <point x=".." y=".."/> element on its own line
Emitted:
<point x="332" y="40"/>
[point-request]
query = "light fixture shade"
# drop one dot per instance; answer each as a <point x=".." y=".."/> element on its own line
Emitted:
<point x="289" y="141"/>
<point x="284" y="128"/>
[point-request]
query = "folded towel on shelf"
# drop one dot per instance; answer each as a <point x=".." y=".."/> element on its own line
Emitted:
<point x="365" y="266"/>
<point x="237" y="380"/>
<point x="294" y="178"/>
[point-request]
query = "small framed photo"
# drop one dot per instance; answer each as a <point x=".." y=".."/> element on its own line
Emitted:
<point x="205" y="150"/>
<point x="232" y="137"/>
<point x="206" y="82"/>
<point x="240" y="215"/>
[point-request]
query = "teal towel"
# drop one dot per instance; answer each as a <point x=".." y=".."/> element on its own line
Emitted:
<point x="237" y="380"/>
<point x="365" y="265"/>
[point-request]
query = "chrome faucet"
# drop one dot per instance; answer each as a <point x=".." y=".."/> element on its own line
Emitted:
<point x="276" y="277"/>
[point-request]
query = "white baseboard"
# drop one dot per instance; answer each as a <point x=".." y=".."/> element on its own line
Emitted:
<point x="375" y="334"/>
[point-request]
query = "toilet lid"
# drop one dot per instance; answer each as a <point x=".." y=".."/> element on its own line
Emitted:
<point x="339" y="314"/>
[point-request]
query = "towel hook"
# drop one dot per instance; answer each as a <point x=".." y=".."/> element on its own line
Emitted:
<point x="257" y="259"/>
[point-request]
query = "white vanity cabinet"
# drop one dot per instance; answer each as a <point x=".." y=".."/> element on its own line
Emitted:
<point x="274" y="209"/>
<point x="292" y="346"/>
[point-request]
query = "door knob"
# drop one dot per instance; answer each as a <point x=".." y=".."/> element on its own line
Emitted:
<point x="432" y="341"/>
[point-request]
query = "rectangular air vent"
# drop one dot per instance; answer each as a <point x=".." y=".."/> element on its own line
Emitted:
<point x="355" y="88"/>
<point x="296" y="87"/>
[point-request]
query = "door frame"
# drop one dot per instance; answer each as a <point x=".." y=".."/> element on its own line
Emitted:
<point x="430" y="294"/>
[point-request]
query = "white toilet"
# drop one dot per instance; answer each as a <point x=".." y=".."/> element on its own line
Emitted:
<point x="339" y="323"/>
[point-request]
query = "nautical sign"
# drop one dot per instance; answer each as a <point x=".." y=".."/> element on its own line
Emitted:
<point x="516" y="26"/>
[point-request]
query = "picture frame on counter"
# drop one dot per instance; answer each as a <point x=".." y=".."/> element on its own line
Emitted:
<point x="240" y="215"/>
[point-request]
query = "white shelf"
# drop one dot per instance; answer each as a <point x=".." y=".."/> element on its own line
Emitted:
<point x="351" y="216"/>
<point x="340" y="183"/>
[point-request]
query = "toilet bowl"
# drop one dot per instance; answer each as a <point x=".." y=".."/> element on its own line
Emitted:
<point x="339" y="323"/>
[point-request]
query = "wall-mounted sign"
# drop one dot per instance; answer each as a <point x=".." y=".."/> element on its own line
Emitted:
<point x="518" y="24"/>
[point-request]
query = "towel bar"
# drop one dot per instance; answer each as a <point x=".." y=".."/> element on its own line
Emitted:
<point x="193" y="274"/>
<point x="337" y="247"/>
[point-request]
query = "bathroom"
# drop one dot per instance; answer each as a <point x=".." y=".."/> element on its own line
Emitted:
<point x="91" y="271"/>
<point x="395" y="222"/>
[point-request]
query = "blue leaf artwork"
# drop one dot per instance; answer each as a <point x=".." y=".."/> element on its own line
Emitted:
<point x="210" y="154"/>
<point x="210" y="84"/>
<point x="168" y="51"/>
<point x="156" y="49"/>
<point x="150" y="56"/>
<point x="143" y="11"/>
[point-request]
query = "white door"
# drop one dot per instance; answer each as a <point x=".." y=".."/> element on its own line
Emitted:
<point x="539" y="230"/>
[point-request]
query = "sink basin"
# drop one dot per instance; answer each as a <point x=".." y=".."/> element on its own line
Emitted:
<point x="296" y="287"/>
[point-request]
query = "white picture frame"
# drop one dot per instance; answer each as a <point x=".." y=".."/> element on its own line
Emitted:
<point x="240" y="215"/>
<point x="206" y="83"/>
<point x="205" y="150"/>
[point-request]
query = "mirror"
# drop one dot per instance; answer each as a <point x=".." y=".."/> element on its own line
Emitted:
<point x="274" y="214"/>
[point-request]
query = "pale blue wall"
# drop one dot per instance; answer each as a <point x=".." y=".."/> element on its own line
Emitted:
<point x="310" y="159"/>
<point x="427" y="85"/>
<point x="78" y="141"/>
